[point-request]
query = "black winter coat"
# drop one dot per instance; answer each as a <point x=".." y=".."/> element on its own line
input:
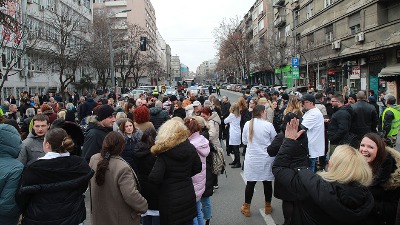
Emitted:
<point x="94" y="137"/>
<point x="339" y="126"/>
<point x="386" y="190"/>
<point x="129" y="152"/>
<point x="180" y="112"/>
<point x="225" y="106"/>
<point x="87" y="108"/>
<point x="280" y="191"/>
<point x="158" y="116"/>
<point x="144" y="160"/>
<point x="173" y="172"/>
<point x="363" y="118"/>
<point x="52" y="191"/>
<point x="318" y="201"/>
<point x="209" y="191"/>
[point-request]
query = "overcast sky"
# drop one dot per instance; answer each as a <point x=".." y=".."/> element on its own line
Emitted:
<point x="187" y="25"/>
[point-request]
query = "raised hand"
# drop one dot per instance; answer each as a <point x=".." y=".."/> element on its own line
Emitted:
<point x="292" y="129"/>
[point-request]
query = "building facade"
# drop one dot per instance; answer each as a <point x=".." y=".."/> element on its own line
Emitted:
<point x="176" y="69"/>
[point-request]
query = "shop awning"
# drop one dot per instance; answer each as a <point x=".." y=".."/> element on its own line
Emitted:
<point x="390" y="71"/>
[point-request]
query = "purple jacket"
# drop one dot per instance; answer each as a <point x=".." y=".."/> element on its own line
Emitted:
<point x="203" y="149"/>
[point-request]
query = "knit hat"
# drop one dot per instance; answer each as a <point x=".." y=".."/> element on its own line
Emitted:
<point x="104" y="112"/>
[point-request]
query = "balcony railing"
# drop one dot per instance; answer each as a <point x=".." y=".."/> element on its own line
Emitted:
<point x="279" y="22"/>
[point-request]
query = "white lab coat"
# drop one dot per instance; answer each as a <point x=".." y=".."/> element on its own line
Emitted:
<point x="234" y="129"/>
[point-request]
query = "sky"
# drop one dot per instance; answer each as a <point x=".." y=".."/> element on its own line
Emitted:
<point x="187" y="25"/>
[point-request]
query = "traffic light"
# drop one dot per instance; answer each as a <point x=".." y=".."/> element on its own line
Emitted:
<point x="346" y="70"/>
<point x="143" y="43"/>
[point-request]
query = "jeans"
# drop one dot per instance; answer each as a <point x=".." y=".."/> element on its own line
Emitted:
<point x="198" y="220"/>
<point x="151" y="220"/>
<point x="313" y="161"/>
<point x="206" y="207"/>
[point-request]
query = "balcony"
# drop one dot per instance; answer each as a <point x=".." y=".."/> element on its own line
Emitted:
<point x="295" y="4"/>
<point x="278" y="2"/>
<point x="279" y="22"/>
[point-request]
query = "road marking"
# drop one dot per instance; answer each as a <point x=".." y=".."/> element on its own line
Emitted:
<point x="267" y="218"/>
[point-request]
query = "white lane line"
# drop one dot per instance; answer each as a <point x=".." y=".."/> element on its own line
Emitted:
<point x="267" y="218"/>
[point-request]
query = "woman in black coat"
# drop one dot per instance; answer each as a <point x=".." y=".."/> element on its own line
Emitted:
<point x="52" y="188"/>
<point x="144" y="161"/>
<point x="281" y="191"/>
<point x="132" y="136"/>
<point x="339" y="196"/>
<point x="177" y="161"/>
<point x="385" y="164"/>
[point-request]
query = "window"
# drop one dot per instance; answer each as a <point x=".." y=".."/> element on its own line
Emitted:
<point x="287" y="31"/>
<point x="329" y="33"/>
<point x="260" y="8"/>
<point x="261" y="24"/>
<point x="327" y="3"/>
<point x="310" y="10"/>
<point x="310" y="40"/>
<point x="354" y="23"/>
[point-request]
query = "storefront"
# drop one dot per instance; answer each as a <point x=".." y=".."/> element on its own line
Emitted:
<point x="376" y="64"/>
<point x="285" y="75"/>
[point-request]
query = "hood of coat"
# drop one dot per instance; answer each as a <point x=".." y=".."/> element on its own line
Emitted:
<point x="155" y="110"/>
<point x="200" y="143"/>
<point x="10" y="141"/>
<point x="214" y="117"/>
<point x="392" y="165"/>
<point x="142" y="150"/>
<point x="59" y="173"/>
<point x="174" y="140"/>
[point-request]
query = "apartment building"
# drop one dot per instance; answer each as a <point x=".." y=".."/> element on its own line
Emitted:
<point x="33" y="72"/>
<point x="176" y="68"/>
<point x="352" y="42"/>
<point x="207" y="69"/>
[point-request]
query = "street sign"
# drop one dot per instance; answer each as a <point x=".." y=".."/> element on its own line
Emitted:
<point x="295" y="62"/>
<point x="296" y="73"/>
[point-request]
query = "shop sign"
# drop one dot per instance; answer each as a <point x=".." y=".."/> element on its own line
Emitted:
<point x="331" y="72"/>
<point x="355" y="72"/>
<point x="377" y="58"/>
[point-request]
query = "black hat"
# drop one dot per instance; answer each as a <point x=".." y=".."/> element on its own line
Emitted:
<point x="308" y="97"/>
<point x="173" y="98"/>
<point x="104" y="112"/>
<point x="285" y="96"/>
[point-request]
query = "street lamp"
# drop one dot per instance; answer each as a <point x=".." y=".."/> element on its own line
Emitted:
<point x="294" y="30"/>
<point x="112" y="71"/>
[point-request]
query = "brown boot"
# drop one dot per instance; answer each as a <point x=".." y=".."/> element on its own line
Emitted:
<point x="268" y="208"/>
<point x="245" y="209"/>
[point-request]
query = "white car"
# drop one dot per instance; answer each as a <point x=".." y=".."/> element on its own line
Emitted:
<point x="170" y="92"/>
<point x="134" y="93"/>
<point x="193" y="89"/>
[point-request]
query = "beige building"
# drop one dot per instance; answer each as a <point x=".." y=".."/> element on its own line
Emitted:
<point x="176" y="68"/>
<point x="352" y="42"/>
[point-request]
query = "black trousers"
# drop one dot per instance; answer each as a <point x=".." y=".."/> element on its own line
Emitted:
<point x="236" y="153"/>
<point x="248" y="194"/>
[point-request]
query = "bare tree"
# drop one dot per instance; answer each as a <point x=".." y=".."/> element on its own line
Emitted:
<point x="65" y="45"/>
<point x="16" y="41"/>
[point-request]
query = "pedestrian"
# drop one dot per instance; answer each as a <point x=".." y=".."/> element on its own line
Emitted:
<point x="225" y="106"/>
<point x="145" y="160"/>
<point x="30" y="113"/>
<point x="52" y="188"/>
<point x="338" y="196"/>
<point x="32" y="146"/>
<point x="177" y="160"/>
<point x="280" y="191"/>
<point x="234" y="134"/>
<point x="132" y="136"/>
<point x="158" y="115"/>
<point x="391" y="121"/>
<point x="11" y="170"/>
<point x="97" y="131"/>
<point x="87" y="108"/>
<point x="48" y="111"/>
<point x="278" y="116"/>
<point x="142" y="118"/>
<point x="258" y="135"/>
<point x="313" y="122"/>
<point x="218" y="90"/>
<point x="385" y="164"/>
<point x="114" y="190"/>
<point x="203" y="150"/>
<point x="178" y="110"/>
<point x="364" y="118"/>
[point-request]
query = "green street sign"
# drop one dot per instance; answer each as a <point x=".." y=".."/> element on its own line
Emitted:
<point x="296" y="73"/>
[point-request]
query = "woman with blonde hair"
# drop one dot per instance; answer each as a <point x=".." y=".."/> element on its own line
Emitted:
<point x="177" y="160"/>
<point x="294" y="106"/>
<point x="258" y="135"/>
<point x="234" y="133"/>
<point x="270" y="112"/>
<point x="338" y="196"/>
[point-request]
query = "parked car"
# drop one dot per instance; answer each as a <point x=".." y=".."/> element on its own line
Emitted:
<point x="134" y="93"/>
<point x="238" y="88"/>
<point x="170" y="91"/>
<point x="228" y="87"/>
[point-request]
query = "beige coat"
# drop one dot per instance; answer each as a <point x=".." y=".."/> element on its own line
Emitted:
<point x="117" y="201"/>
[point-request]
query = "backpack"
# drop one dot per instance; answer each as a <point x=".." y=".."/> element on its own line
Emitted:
<point x="218" y="161"/>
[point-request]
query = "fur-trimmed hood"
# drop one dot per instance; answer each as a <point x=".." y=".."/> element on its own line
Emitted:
<point x="174" y="140"/>
<point x="394" y="179"/>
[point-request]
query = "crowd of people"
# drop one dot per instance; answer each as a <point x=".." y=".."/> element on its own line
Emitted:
<point x="156" y="159"/>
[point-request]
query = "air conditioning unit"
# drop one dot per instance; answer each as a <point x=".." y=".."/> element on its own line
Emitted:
<point x="359" y="37"/>
<point x="336" y="45"/>
<point x="41" y="7"/>
<point x="295" y="1"/>
<point x="29" y="1"/>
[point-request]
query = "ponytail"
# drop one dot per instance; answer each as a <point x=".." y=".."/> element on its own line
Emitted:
<point x="102" y="167"/>
<point x="257" y="111"/>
